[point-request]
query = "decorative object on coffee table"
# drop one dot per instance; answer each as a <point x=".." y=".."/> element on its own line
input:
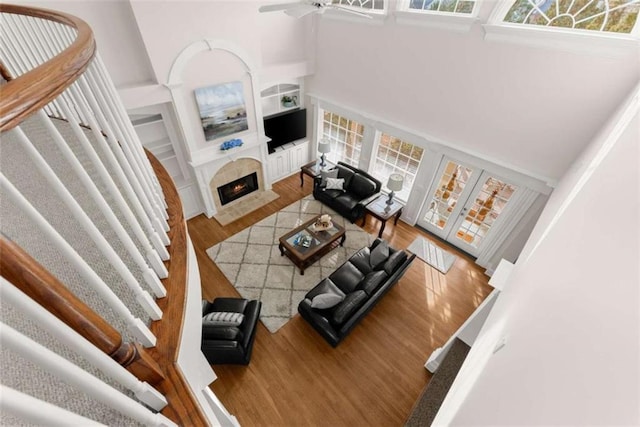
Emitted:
<point x="381" y="210"/>
<point x="324" y="147"/>
<point x="394" y="184"/>
<point x="323" y="223"/>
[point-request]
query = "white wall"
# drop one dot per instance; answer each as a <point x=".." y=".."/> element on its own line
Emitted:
<point x="168" y="27"/>
<point x="571" y="310"/>
<point x="117" y="37"/>
<point x="514" y="103"/>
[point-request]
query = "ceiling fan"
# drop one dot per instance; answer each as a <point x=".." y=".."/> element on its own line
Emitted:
<point x="304" y="7"/>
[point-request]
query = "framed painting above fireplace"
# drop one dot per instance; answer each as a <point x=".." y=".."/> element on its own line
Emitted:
<point x="222" y="110"/>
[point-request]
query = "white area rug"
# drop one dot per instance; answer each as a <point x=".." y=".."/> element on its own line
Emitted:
<point x="432" y="254"/>
<point x="252" y="262"/>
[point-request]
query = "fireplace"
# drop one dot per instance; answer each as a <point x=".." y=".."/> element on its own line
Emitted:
<point x="238" y="188"/>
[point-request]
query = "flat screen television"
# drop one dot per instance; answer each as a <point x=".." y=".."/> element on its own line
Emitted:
<point x="285" y="127"/>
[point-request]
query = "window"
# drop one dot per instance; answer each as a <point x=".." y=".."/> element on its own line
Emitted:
<point x="449" y="6"/>
<point x="345" y="136"/>
<point x="614" y="16"/>
<point x="397" y="156"/>
<point x="370" y="5"/>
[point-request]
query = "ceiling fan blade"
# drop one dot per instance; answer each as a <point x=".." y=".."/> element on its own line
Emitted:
<point x="301" y="10"/>
<point x="276" y="7"/>
<point x="341" y="8"/>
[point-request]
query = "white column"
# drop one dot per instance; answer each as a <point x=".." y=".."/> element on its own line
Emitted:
<point x="78" y="378"/>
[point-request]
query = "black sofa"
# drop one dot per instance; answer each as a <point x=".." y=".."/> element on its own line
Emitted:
<point x="359" y="284"/>
<point x="225" y="344"/>
<point x="360" y="189"/>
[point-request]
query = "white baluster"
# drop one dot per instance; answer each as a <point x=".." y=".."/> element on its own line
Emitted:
<point x="153" y="210"/>
<point x="150" y="277"/>
<point x="158" y="236"/>
<point x="96" y="101"/>
<point x="136" y="145"/>
<point x="78" y="378"/>
<point x="142" y="296"/>
<point x="136" y="164"/>
<point x="134" y="324"/>
<point x="152" y="255"/>
<point x="22" y="406"/>
<point x="80" y="345"/>
<point x="19" y="61"/>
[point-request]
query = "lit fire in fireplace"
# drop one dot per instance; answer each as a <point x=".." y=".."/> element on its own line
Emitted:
<point x="238" y="188"/>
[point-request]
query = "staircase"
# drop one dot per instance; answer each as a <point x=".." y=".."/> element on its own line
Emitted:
<point x="100" y="289"/>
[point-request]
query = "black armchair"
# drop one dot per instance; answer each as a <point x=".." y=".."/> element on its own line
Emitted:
<point x="230" y="344"/>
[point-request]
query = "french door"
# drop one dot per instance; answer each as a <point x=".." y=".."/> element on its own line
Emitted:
<point x="464" y="204"/>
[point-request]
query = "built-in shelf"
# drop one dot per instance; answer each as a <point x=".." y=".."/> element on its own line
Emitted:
<point x="274" y="98"/>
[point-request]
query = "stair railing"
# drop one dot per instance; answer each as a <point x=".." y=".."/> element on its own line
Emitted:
<point x="68" y="147"/>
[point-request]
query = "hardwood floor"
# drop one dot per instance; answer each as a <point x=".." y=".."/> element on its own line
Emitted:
<point x="376" y="374"/>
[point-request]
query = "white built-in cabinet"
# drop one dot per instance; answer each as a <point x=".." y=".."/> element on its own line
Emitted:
<point x="288" y="159"/>
<point x="278" y="98"/>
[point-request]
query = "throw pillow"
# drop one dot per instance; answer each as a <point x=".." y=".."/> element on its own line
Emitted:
<point x="379" y="255"/>
<point x="333" y="173"/>
<point x="223" y="318"/>
<point x="327" y="300"/>
<point x="335" y="184"/>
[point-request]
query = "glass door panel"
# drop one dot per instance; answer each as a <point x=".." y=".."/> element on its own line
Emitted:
<point x="454" y="178"/>
<point x="482" y="209"/>
<point x="464" y="205"/>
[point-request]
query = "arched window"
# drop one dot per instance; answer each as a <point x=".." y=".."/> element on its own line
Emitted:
<point x="369" y="5"/>
<point x="446" y="6"/>
<point x="613" y="16"/>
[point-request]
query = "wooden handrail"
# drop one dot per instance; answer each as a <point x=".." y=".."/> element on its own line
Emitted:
<point x="26" y="94"/>
<point x="24" y="272"/>
<point x="182" y="408"/>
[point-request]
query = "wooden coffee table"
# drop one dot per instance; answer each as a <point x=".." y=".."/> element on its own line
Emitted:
<point x="321" y="243"/>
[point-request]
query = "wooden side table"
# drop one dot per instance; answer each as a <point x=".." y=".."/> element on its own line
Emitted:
<point x="313" y="169"/>
<point x="379" y="209"/>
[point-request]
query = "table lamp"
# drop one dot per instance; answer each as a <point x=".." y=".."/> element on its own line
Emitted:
<point x="394" y="184"/>
<point x="324" y="146"/>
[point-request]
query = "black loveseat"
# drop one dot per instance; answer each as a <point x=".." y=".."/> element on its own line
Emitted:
<point x="360" y="189"/>
<point x="355" y="288"/>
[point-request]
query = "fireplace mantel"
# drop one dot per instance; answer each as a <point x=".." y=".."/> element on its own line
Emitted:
<point x="214" y="153"/>
<point x="207" y="162"/>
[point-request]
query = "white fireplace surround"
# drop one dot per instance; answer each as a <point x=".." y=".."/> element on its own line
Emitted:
<point x="208" y="161"/>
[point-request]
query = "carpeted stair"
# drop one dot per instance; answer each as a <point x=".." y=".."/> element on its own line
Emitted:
<point x="428" y="404"/>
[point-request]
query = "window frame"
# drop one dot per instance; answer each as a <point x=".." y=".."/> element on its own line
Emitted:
<point x="374" y="158"/>
<point x="567" y="39"/>
<point x="376" y="16"/>
<point x="454" y="21"/>
<point x="321" y="135"/>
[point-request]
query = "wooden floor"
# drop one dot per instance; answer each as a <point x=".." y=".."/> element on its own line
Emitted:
<point x="376" y="374"/>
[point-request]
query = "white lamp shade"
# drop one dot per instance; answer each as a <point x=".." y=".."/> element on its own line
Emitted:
<point x="324" y="146"/>
<point x="395" y="182"/>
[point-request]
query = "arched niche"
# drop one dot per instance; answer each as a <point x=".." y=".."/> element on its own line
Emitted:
<point x="209" y="62"/>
